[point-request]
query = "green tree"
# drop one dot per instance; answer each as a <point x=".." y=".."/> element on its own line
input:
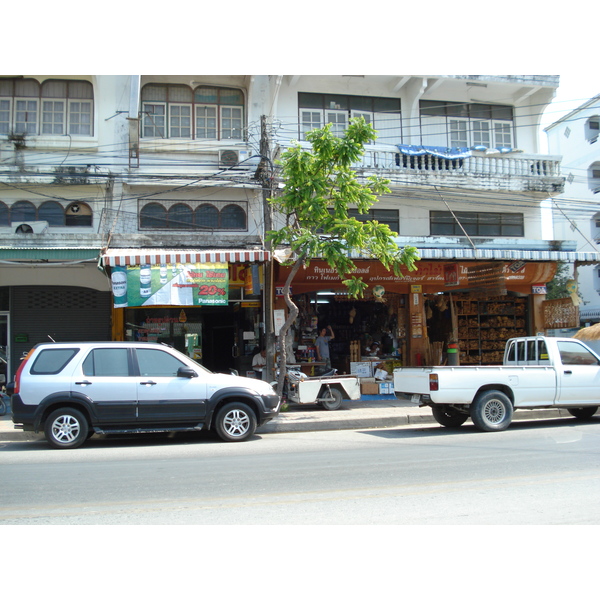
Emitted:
<point x="557" y="286"/>
<point x="320" y="186"/>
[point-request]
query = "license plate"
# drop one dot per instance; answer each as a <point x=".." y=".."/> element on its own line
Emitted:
<point x="415" y="398"/>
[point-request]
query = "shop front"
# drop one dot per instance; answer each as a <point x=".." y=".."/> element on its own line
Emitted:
<point x="207" y="304"/>
<point x="443" y="313"/>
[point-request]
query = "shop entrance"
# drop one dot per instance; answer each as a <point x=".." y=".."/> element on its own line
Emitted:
<point x="206" y="334"/>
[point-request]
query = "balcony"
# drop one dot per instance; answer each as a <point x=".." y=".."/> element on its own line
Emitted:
<point x="538" y="175"/>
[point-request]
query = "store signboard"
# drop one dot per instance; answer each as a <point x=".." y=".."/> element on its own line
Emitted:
<point x="434" y="276"/>
<point x="180" y="284"/>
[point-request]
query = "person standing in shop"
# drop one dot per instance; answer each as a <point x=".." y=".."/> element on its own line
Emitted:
<point x="322" y="345"/>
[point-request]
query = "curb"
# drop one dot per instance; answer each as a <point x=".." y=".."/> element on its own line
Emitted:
<point x="376" y="417"/>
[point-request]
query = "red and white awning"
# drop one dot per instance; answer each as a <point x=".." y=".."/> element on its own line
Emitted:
<point x="122" y="257"/>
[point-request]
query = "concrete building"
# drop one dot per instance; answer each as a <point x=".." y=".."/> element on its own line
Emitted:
<point x="147" y="175"/>
<point x="576" y="212"/>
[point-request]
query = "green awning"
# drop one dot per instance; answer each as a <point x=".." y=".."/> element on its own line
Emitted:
<point x="42" y="254"/>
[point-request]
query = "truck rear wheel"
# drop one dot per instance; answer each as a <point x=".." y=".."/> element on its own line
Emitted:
<point x="583" y="413"/>
<point x="492" y="411"/>
<point x="448" y="416"/>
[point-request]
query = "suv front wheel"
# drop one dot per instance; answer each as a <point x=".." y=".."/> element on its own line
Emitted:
<point x="66" y="428"/>
<point x="235" y="422"/>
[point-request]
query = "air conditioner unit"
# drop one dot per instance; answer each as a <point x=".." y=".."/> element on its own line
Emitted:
<point x="30" y="226"/>
<point x="229" y="158"/>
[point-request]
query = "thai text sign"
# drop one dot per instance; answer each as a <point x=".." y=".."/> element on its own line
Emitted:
<point x="180" y="284"/>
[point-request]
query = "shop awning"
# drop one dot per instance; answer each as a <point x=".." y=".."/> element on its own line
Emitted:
<point x="122" y="257"/>
<point x="497" y="254"/>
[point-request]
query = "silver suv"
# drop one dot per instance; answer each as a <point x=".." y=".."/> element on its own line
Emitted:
<point x="73" y="390"/>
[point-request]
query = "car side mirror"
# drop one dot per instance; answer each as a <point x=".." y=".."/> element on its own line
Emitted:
<point x="186" y="372"/>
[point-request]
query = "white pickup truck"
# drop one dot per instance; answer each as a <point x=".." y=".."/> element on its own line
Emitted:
<point x="538" y="372"/>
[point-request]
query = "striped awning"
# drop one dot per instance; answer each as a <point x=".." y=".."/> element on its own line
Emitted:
<point x="122" y="257"/>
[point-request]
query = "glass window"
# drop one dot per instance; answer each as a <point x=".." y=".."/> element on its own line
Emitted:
<point x="26" y="116"/>
<point x="22" y="211"/>
<point x="572" y="353"/>
<point x="153" y="216"/>
<point x="481" y="134"/>
<point x="207" y="215"/>
<point x="231" y="123"/>
<point x="209" y="112"/>
<point x="5" y="111"/>
<point x="459" y="134"/>
<point x="503" y="135"/>
<point x="153" y="121"/>
<point x="180" y="121"/>
<point x="53" y="117"/>
<point x="52" y="212"/>
<point x="476" y="224"/>
<point x="233" y="217"/>
<point x="4" y="220"/>
<point x="157" y="363"/>
<point x="52" y="361"/>
<point x="80" y="118"/>
<point x="206" y="122"/>
<point x="310" y="120"/>
<point x="180" y="216"/>
<point x="106" y="362"/>
<point x="339" y="121"/>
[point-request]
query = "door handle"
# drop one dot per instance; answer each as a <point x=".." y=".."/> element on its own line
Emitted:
<point x="147" y="382"/>
<point x="83" y="382"/>
<point x="568" y="372"/>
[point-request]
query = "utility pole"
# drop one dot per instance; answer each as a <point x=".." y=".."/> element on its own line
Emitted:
<point x="266" y="174"/>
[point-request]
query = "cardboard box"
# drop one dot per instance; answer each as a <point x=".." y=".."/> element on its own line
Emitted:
<point x="386" y="388"/>
<point x="361" y="369"/>
<point x="369" y="388"/>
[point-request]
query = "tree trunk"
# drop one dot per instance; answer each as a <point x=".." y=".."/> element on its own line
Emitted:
<point x="293" y="313"/>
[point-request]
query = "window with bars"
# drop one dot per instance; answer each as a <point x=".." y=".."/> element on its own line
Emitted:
<point x="486" y="224"/>
<point x="76" y="214"/>
<point x="179" y="112"/>
<point x="54" y="107"/>
<point x="183" y="215"/>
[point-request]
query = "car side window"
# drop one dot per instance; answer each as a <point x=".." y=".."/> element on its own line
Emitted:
<point x="574" y="354"/>
<point x="52" y="361"/>
<point x="157" y="363"/>
<point x="106" y="362"/>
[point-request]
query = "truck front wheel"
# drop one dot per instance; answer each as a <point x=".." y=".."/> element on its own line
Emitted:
<point x="448" y="416"/>
<point x="492" y="411"/>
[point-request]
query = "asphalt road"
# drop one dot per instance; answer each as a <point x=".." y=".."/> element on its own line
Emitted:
<point x="535" y="473"/>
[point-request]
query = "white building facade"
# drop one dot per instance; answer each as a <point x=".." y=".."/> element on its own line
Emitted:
<point x="100" y="173"/>
<point x="576" y="212"/>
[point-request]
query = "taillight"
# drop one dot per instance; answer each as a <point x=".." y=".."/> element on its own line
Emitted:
<point x="17" y="386"/>
<point x="434" y="385"/>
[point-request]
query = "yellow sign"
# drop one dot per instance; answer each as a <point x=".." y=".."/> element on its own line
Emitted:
<point x="416" y="289"/>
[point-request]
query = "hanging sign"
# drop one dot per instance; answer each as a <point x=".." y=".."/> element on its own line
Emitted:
<point x="180" y="284"/>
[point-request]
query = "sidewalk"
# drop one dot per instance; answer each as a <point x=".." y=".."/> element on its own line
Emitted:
<point x="370" y="412"/>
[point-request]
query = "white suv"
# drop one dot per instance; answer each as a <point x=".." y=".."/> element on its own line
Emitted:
<point x="73" y="390"/>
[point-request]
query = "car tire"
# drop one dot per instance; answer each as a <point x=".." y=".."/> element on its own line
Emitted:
<point x="235" y="422"/>
<point x="583" y="413"/>
<point x="331" y="399"/>
<point x="66" y="428"/>
<point x="492" y="411"/>
<point x="448" y="416"/>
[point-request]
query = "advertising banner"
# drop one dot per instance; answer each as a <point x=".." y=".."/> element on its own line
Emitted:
<point x="180" y="284"/>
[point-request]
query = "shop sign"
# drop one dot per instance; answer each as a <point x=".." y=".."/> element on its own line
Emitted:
<point x="538" y="289"/>
<point x="451" y="274"/>
<point x="180" y="284"/>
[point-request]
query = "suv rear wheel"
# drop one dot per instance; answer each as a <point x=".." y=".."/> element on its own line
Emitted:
<point x="66" y="428"/>
<point x="235" y="422"/>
